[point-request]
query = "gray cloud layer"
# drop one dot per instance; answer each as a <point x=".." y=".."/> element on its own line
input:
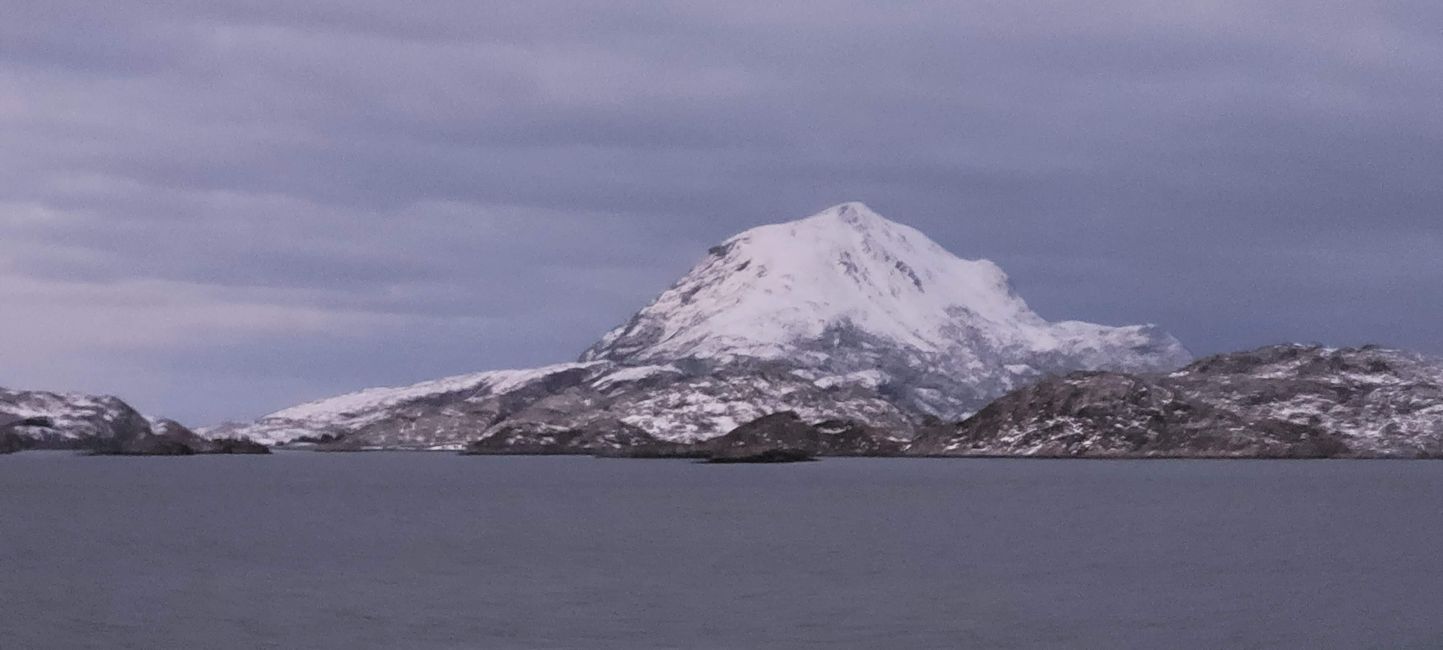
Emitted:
<point x="221" y="210"/>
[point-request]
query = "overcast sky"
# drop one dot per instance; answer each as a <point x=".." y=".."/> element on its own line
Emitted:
<point x="217" y="210"/>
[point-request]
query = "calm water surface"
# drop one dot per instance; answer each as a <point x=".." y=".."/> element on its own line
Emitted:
<point x="396" y="550"/>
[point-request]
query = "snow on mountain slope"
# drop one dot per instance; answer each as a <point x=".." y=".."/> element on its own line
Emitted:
<point x="766" y="288"/>
<point x="843" y="314"/>
<point x="1283" y="400"/>
<point x="371" y="401"/>
<point x="664" y="401"/>
<point x="846" y="291"/>
<point x="353" y="411"/>
<point x="64" y="419"/>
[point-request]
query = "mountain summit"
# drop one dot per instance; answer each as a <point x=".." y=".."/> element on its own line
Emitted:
<point x="760" y="292"/>
<point x="846" y="293"/>
<point x="843" y="314"/>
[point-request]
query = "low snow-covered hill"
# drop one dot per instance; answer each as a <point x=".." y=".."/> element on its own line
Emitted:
<point x="99" y="424"/>
<point x="68" y="420"/>
<point x="1286" y="400"/>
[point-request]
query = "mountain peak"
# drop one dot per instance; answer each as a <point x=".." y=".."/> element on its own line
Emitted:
<point x="848" y="276"/>
<point x="852" y="222"/>
<point x="832" y="243"/>
<point x="846" y="266"/>
<point x="852" y="213"/>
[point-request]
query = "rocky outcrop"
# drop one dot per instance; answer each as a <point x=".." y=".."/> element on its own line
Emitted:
<point x="779" y="435"/>
<point x="1287" y="401"/>
<point x="143" y="446"/>
<point x="774" y="435"/>
<point x="788" y="431"/>
<point x="240" y="446"/>
<point x="597" y="438"/>
<point x="9" y="442"/>
<point x="765" y="456"/>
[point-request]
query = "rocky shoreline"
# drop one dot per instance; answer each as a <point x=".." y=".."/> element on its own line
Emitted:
<point x="161" y="446"/>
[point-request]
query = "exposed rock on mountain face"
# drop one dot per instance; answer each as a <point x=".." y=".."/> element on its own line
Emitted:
<point x="788" y="431"/>
<point x="539" y="439"/>
<point x="779" y="437"/>
<point x="589" y="400"/>
<point x="843" y="315"/>
<point x="69" y="420"/>
<point x="1280" y="401"/>
<point x="100" y="424"/>
<point x="763" y="456"/>
<point x="9" y="441"/>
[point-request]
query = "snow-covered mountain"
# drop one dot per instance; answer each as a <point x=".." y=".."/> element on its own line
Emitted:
<point x="843" y="314"/>
<point x="847" y="296"/>
<point x="1285" y="400"/>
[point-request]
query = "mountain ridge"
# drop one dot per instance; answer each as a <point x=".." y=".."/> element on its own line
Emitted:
<point x="1287" y="400"/>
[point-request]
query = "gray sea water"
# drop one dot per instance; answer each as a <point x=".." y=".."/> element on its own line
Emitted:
<point x="398" y="550"/>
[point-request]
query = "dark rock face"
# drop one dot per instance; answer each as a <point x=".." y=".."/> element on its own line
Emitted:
<point x="764" y="456"/>
<point x="779" y="432"/>
<point x="596" y="438"/>
<point x="787" y="434"/>
<point x="166" y="445"/>
<point x="1284" y="401"/>
<point x="234" y="446"/>
<point x="324" y="439"/>
<point x="10" y="443"/>
<point x="787" y="430"/>
<point x="144" y="446"/>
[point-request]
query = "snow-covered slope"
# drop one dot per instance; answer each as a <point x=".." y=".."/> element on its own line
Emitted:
<point x="843" y="314"/>
<point x="354" y="411"/>
<point x="665" y="401"/>
<point x="1285" y="400"/>
<point x="848" y="295"/>
<point x="760" y="292"/>
<point x="69" y="419"/>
